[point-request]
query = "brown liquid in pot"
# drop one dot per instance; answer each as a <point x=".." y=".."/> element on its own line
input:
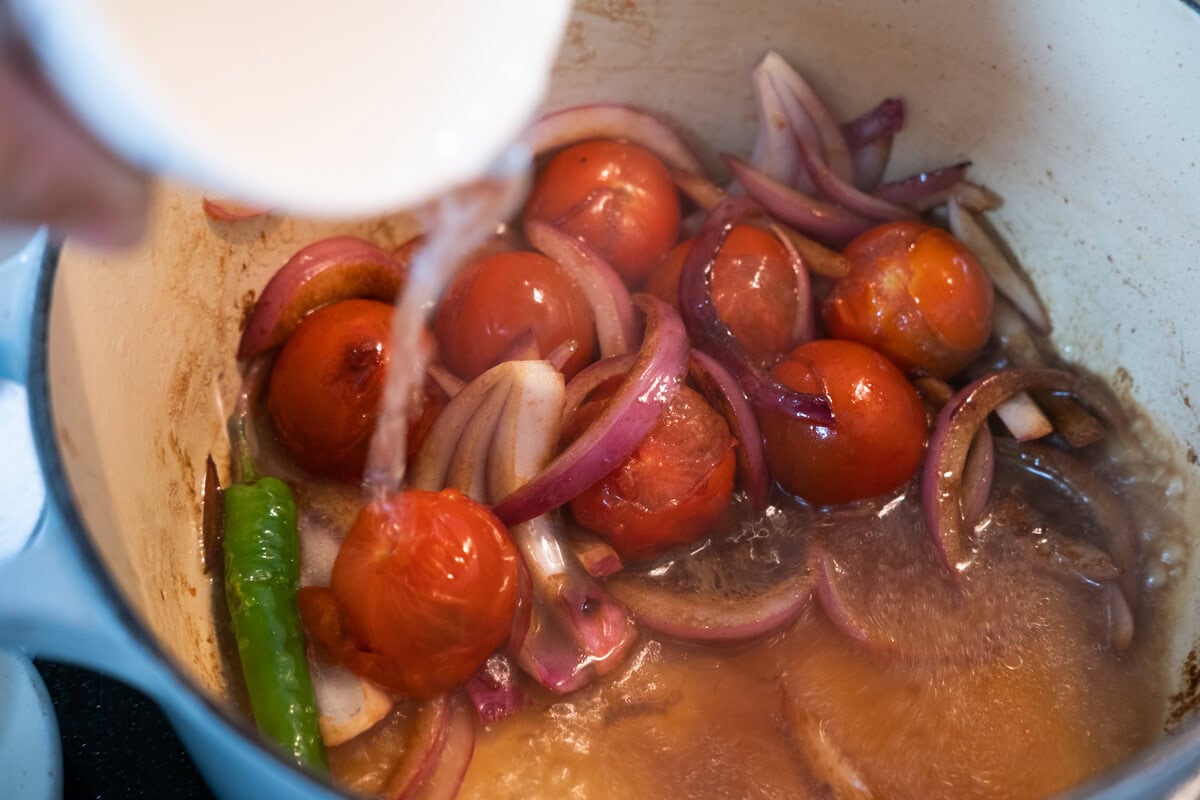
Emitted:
<point x="1007" y="687"/>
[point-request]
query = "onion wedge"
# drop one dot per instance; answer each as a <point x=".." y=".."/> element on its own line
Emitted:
<point x="652" y="383"/>
<point x="828" y="223"/>
<point x="611" y="304"/>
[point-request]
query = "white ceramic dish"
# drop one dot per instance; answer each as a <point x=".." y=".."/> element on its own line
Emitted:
<point x="1082" y="115"/>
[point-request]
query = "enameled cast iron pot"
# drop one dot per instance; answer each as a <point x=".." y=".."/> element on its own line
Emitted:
<point x="1084" y="116"/>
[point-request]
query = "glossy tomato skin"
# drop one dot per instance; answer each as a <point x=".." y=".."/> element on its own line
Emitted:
<point x="499" y="297"/>
<point x="916" y="294"/>
<point x="879" y="434"/>
<point x="327" y="383"/>
<point x="617" y="197"/>
<point x="673" y="489"/>
<point x="753" y="289"/>
<point x="424" y="589"/>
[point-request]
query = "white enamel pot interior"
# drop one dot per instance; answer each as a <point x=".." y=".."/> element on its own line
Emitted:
<point x="1083" y="116"/>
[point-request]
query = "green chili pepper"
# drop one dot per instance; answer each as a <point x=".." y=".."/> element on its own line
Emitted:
<point x="262" y="574"/>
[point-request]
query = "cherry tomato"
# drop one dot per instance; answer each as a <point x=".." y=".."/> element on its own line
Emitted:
<point x="327" y="384"/>
<point x="878" y="438"/>
<point x="916" y="294"/>
<point x="618" y="198"/>
<point x="672" y="490"/>
<point x="424" y="589"/>
<point x="753" y="289"/>
<point x="497" y="298"/>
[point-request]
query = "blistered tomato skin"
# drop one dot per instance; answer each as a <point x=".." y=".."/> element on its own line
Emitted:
<point x="879" y="436"/>
<point x="673" y="489"/>
<point x="497" y="298"/>
<point x="424" y="589"/>
<point x="916" y="294"/>
<point x="619" y="198"/>
<point x="327" y="383"/>
<point x="753" y="289"/>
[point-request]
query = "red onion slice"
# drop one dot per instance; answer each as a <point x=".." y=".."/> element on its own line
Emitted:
<point x="1024" y="420"/>
<point x="827" y="575"/>
<point x="821" y="755"/>
<point x="1079" y="482"/>
<point x="559" y="356"/>
<point x="576" y="631"/>
<point x="700" y="190"/>
<point x="494" y="691"/>
<point x="956" y="426"/>
<point x="775" y="151"/>
<point x="1005" y="276"/>
<point x="915" y="189"/>
<point x="523" y="347"/>
<point x="828" y="223"/>
<point x="467" y="470"/>
<point x="725" y="395"/>
<point x="611" y="121"/>
<point x="805" y="327"/>
<point x="870" y="138"/>
<point x="429" y="470"/>
<point x="844" y="193"/>
<point x="595" y="555"/>
<point x="1120" y="618"/>
<point x="592" y="376"/>
<point x="423" y="752"/>
<point x="323" y="272"/>
<point x="457" y="747"/>
<point x="651" y="384"/>
<point x="611" y="304"/>
<point x="791" y="85"/>
<point x="712" y="619"/>
<point x="713" y="336"/>
<point x="446" y="380"/>
<point x="978" y="475"/>
<point x="223" y="210"/>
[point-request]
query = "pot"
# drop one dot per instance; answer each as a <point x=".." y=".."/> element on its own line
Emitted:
<point x="1083" y="116"/>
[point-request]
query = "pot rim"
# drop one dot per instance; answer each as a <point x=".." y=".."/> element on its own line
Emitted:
<point x="1166" y="766"/>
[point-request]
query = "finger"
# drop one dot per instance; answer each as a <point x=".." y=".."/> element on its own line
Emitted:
<point x="52" y="172"/>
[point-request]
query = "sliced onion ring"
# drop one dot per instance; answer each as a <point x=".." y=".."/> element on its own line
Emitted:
<point x="652" y="383"/>
<point x="828" y="223"/>
<point x="956" y="426"/>
<point x="775" y="151"/>
<point x="323" y="272"/>
<point x="881" y="122"/>
<point x="713" y="336"/>
<point x="611" y="304"/>
<point x="494" y="691"/>
<point x="590" y="377"/>
<point x="611" y="121"/>
<point x="423" y="752"/>
<point x="429" y="470"/>
<point x="791" y="85"/>
<point x="712" y="619"/>
<point x="913" y="190"/>
<point x="724" y="394"/>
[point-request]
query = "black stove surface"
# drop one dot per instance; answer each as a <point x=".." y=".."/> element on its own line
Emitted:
<point x="116" y="743"/>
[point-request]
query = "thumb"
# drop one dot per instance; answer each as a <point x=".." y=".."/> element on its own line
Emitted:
<point x="52" y="171"/>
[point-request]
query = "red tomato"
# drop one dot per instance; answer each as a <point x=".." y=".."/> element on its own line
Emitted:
<point x="424" y="589"/>
<point x="497" y="298"/>
<point x="618" y="198"/>
<point x="753" y="289"/>
<point x="672" y="490"/>
<point x="916" y="294"/>
<point x="878" y="438"/>
<point x="327" y="384"/>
